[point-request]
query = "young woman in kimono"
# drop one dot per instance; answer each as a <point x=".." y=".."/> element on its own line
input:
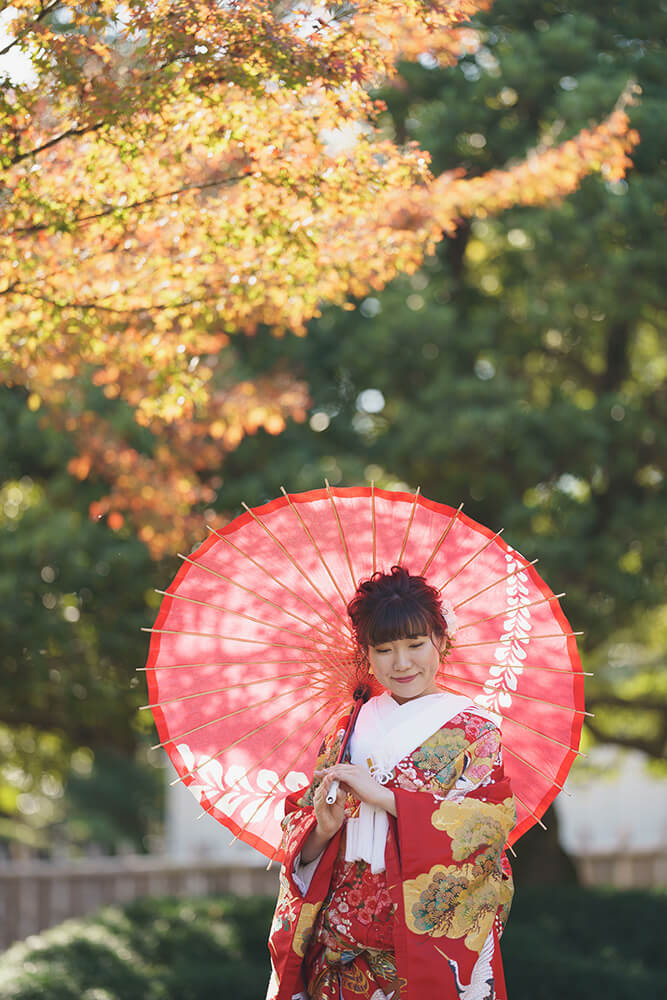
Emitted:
<point x="400" y="888"/>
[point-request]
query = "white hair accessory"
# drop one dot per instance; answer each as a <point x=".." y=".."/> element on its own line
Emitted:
<point x="450" y="619"/>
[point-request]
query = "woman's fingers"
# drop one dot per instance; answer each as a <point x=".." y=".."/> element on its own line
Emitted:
<point x="327" y="777"/>
<point x="339" y="772"/>
<point x="356" y="781"/>
<point x="335" y="771"/>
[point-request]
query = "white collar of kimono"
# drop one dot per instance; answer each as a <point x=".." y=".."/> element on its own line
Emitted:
<point x="385" y="733"/>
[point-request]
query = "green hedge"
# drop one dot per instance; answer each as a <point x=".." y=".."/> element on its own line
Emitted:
<point x="572" y="943"/>
<point x="561" y="944"/>
<point x="153" y="949"/>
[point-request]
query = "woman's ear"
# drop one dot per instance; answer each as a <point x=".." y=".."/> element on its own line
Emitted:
<point x="367" y="660"/>
<point x="440" y="642"/>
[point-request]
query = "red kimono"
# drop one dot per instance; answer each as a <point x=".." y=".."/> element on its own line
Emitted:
<point x="428" y="926"/>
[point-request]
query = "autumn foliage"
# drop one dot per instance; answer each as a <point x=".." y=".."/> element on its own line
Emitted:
<point x="175" y="179"/>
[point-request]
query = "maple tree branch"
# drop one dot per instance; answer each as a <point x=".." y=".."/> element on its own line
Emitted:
<point x="28" y="230"/>
<point x="96" y="306"/>
<point x="53" y="142"/>
<point x="85" y="306"/>
<point x="44" y="13"/>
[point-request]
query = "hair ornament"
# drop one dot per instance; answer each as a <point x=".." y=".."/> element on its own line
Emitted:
<point x="451" y="622"/>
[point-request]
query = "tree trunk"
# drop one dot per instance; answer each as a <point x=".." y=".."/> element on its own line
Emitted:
<point x="540" y="859"/>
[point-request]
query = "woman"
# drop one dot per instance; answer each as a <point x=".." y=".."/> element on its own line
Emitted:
<point x="398" y="889"/>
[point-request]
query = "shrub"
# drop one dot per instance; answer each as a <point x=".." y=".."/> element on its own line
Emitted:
<point x="585" y="944"/>
<point x="152" y="949"/>
<point x="582" y="944"/>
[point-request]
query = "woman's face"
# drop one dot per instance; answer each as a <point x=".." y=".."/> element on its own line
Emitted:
<point x="407" y="667"/>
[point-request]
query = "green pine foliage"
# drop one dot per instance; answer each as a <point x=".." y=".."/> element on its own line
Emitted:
<point x="523" y="369"/>
<point x="73" y="598"/>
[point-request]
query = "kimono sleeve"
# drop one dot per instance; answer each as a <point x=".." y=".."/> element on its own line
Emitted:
<point x="450" y="839"/>
<point x="300" y="819"/>
<point x="296" y="912"/>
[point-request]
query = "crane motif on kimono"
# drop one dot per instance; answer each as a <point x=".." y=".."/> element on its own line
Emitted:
<point x="481" y="985"/>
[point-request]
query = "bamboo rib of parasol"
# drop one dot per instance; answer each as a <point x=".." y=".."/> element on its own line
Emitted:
<point x="322" y="650"/>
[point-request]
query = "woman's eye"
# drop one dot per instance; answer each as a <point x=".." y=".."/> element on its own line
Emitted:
<point x="416" y="645"/>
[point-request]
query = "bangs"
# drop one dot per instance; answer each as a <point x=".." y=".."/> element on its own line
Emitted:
<point x="398" y="620"/>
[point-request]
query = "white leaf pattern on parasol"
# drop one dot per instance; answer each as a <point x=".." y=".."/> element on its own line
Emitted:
<point x="233" y="792"/>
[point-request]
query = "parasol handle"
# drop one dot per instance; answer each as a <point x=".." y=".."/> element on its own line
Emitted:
<point x="332" y="793"/>
<point x="361" y="695"/>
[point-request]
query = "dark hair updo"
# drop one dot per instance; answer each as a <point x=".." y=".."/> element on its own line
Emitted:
<point x="395" y="605"/>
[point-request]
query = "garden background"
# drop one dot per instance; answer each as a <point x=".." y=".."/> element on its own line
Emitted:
<point x="209" y="290"/>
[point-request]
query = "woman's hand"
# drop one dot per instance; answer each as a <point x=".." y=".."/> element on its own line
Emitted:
<point x="329" y="817"/>
<point x="352" y="779"/>
<point x="359" y="781"/>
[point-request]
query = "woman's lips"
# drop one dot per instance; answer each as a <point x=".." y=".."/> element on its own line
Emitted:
<point x="405" y="680"/>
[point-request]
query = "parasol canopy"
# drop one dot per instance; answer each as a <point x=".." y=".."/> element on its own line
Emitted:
<point x="252" y="658"/>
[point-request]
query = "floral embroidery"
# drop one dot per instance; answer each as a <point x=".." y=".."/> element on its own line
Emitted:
<point x="488" y="745"/>
<point x="472" y="824"/>
<point x="360" y="905"/>
<point x="441" y="750"/>
<point x="454" y="900"/>
<point x="485" y="753"/>
<point x="285" y="913"/>
<point x="295" y="826"/>
<point x="304" y="927"/>
<point x="369" y="973"/>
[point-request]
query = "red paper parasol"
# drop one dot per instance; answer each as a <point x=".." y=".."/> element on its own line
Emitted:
<point x="252" y="659"/>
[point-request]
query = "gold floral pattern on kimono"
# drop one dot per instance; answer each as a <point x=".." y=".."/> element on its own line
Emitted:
<point x="472" y="824"/>
<point x="440" y="750"/>
<point x="304" y="927"/>
<point x="446" y="755"/>
<point x="372" y="974"/>
<point x="459" y="901"/>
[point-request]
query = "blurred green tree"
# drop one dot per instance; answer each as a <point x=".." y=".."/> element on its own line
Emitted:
<point x="73" y="596"/>
<point x="522" y="369"/>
